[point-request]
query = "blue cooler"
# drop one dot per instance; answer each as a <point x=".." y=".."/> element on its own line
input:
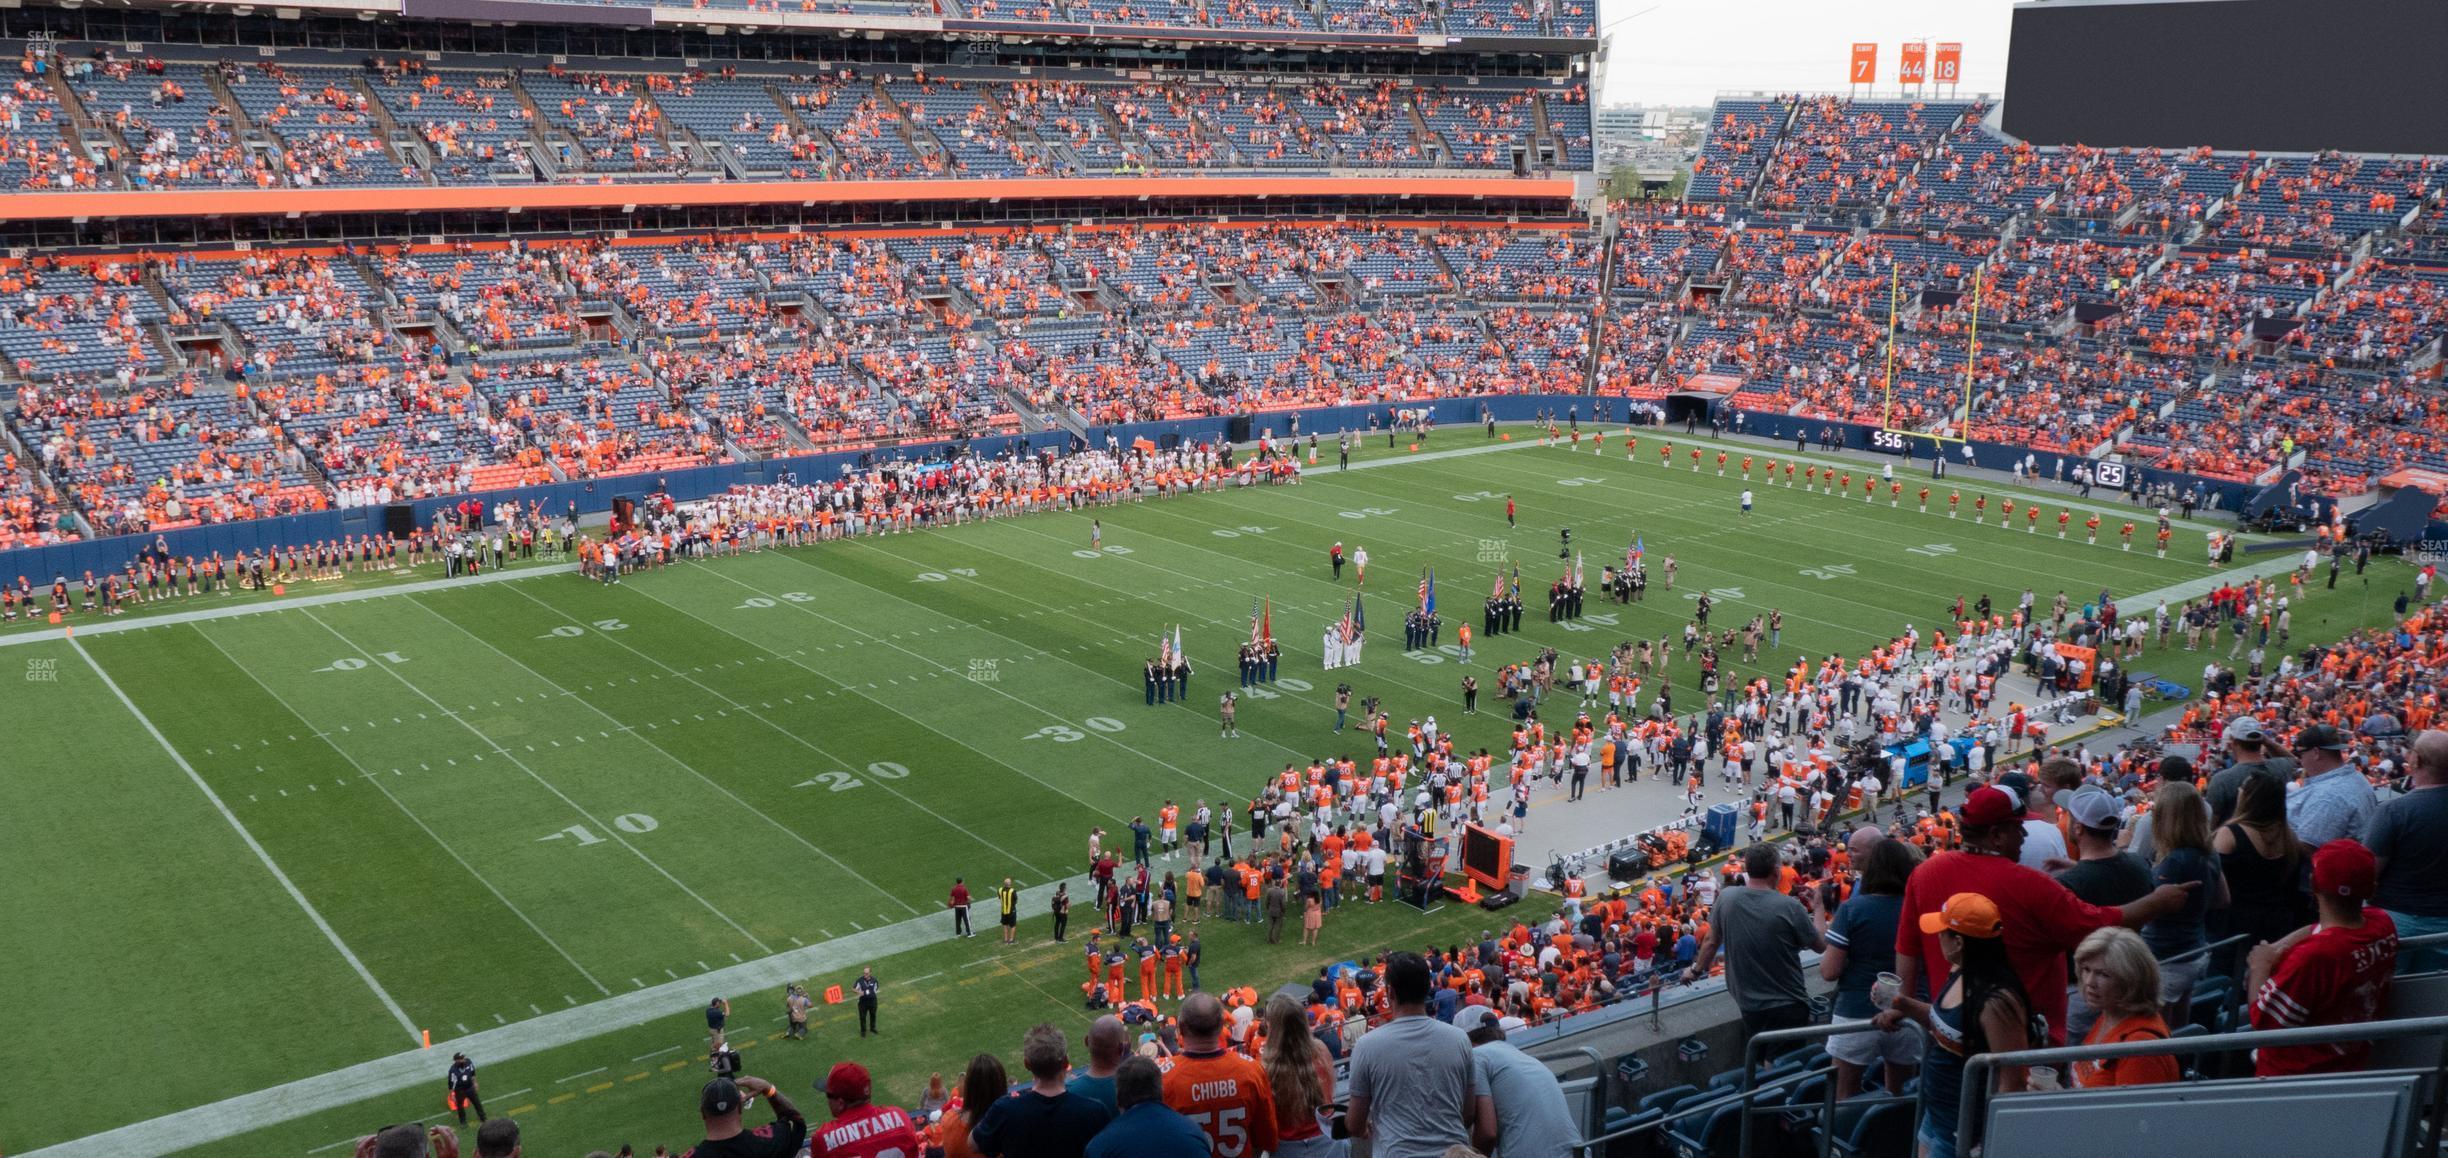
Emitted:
<point x="1724" y="821"/>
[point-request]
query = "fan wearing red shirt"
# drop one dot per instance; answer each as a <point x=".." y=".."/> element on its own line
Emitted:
<point x="1225" y="1094"/>
<point x="2044" y="920"/>
<point x="2335" y="972"/>
<point x="861" y="1129"/>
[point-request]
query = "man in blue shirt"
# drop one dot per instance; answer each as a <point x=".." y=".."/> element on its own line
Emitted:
<point x="1108" y="1044"/>
<point x="1147" y="1128"/>
<point x="1045" y="1120"/>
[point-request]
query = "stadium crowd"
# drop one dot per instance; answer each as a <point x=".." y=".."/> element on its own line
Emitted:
<point x="497" y="365"/>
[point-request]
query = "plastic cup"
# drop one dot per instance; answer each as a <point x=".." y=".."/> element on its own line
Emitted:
<point x="2041" y="1077"/>
<point x="1883" y="991"/>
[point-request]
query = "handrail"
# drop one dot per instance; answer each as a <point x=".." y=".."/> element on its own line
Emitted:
<point x="2212" y="947"/>
<point x="1980" y="1069"/>
<point x="1827" y="1103"/>
<point x="1594" y="1146"/>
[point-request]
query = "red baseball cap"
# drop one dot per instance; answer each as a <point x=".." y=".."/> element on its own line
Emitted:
<point x="849" y="1082"/>
<point x="2344" y="868"/>
<point x="1988" y="805"/>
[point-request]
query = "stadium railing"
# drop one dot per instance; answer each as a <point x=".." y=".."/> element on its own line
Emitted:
<point x="2231" y="1100"/>
<point x="1748" y="1095"/>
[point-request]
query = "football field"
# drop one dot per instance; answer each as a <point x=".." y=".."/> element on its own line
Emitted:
<point x="251" y="849"/>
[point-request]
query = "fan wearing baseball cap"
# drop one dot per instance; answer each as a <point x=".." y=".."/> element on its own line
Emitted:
<point x="2336" y="800"/>
<point x="2043" y="919"/>
<point x="1983" y="1008"/>
<point x="2333" y="972"/>
<point x="720" y="1103"/>
<point x="860" y="1128"/>
<point x="2249" y="749"/>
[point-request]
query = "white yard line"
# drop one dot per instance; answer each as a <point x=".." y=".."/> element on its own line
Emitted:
<point x="231" y="1117"/>
<point x="710" y="782"/>
<point x="370" y="777"/>
<point x="610" y="831"/>
<point x="252" y="844"/>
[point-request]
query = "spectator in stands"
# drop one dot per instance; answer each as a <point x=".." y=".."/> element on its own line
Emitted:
<point x="1147" y="1127"/>
<point x="1412" y="1091"/>
<point x="2043" y="921"/>
<point x="2263" y="863"/>
<point x="1861" y="940"/>
<point x="982" y="1085"/>
<point x="409" y="1142"/>
<point x="2042" y="842"/>
<point x="2120" y="979"/>
<point x="720" y="1103"/>
<point x="2248" y="748"/>
<point x="2181" y="839"/>
<point x="1763" y="933"/>
<point x="2335" y="801"/>
<point x="1530" y="1118"/>
<point x="1982" y="1008"/>
<point x="2136" y="838"/>
<point x="1107" y="1046"/>
<point x="2409" y="838"/>
<point x="1046" y="1119"/>
<point x="2102" y="874"/>
<point x="2333" y="972"/>
<point x="1221" y="1090"/>
<point x="1300" y="1072"/>
<point x="859" y="1126"/>
<point x="498" y="1138"/>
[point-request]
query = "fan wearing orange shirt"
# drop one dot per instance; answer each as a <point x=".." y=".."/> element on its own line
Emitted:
<point x="1224" y="1093"/>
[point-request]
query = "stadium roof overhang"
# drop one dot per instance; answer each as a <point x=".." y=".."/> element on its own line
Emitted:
<point x="83" y="207"/>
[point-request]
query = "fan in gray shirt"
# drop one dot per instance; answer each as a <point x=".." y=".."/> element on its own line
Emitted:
<point x="1413" y="1092"/>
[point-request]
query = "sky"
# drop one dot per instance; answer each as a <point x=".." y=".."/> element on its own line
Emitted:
<point x="1685" y="52"/>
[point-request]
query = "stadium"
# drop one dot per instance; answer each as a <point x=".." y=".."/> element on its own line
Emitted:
<point x="590" y="576"/>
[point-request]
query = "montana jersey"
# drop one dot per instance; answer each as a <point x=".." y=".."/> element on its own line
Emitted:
<point x="867" y="1132"/>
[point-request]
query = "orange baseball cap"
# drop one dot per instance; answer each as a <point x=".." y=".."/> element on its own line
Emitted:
<point x="1968" y="915"/>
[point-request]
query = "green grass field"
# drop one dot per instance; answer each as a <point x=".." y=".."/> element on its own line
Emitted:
<point x="491" y="803"/>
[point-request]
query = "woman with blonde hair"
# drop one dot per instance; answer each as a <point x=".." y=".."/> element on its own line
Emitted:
<point x="2120" y="979"/>
<point x="2180" y="836"/>
<point x="1301" y="1075"/>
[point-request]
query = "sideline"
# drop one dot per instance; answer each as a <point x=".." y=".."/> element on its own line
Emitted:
<point x="244" y="1113"/>
<point x="1979" y="480"/>
<point x="421" y="586"/>
<point x="1322" y="470"/>
<point x="259" y="607"/>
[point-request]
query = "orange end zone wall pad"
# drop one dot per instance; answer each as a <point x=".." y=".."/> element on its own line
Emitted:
<point x="446" y="198"/>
